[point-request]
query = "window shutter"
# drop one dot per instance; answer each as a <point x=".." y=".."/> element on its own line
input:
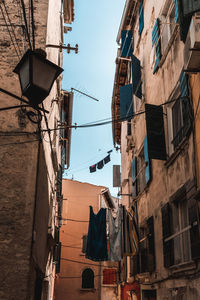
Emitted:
<point x="84" y="245"/>
<point x="134" y="174"/>
<point x="168" y="247"/>
<point x="184" y="21"/>
<point x="190" y="7"/>
<point x="126" y="43"/>
<point x="184" y="92"/>
<point x="57" y="235"/>
<point x="141" y="17"/>
<point x="194" y="231"/>
<point x="176" y="10"/>
<point x="155" y="131"/>
<point x="147" y="162"/>
<point x="151" y="247"/>
<point x="58" y="257"/>
<point x="109" y="276"/>
<point x="136" y="77"/>
<point x="126" y="103"/>
<point x="134" y="265"/>
<point x="156" y="43"/>
<point x="143" y="252"/>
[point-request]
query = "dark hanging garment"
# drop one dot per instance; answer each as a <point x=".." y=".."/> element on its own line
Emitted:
<point x="93" y="168"/>
<point x="97" y="242"/>
<point x="100" y="164"/>
<point x="106" y="159"/>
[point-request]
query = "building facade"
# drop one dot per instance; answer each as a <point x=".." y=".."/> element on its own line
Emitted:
<point x="79" y="277"/>
<point x="156" y="99"/>
<point x="32" y="156"/>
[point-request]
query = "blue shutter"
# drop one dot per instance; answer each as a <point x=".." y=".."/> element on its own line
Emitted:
<point x="176" y="10"/>
<point x="136" y="77"/>
<point x="134" y="174"/>
<point x="184" y="84"/>
<point x="141" y="17"/>
<point x="126" y="43"/>
<point x="190" y="7"/>
<point x="156" y="43"/>
<point x="147" y="162"/>
<point x="126" y="103"/>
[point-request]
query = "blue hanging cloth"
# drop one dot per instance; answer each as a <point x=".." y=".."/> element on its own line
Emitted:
<point x="96" y="242"/>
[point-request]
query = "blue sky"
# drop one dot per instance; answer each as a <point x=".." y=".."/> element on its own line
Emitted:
<point x="92" y="71"/>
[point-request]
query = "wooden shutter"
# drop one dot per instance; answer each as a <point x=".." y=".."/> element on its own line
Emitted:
<point x="134" y="174"/>
<point x="136" y="77"/>
<point x="147" y="162"/>
<point x="126" y="102"/>
<point x="57" y="235"/>
<point x="176" y="10"/>
<point x="185" y="101"/>
<point x="168" y="247"/>
<point x="156" y="43"/>
<point x="58" y="255"/>
<point x="84" y="245"/>
<point x="126" y="43"/>
<point x="143" y="251"/>
<point x="190" y="6"/>
<point x="151" y="245"/>
<point x="194" y="231"/>
<point x="141" y="17"/>
<point x="109" y="276"/>
<point x="134" y="265"/>
<point x="155" y="131"/>
<point x="184" y="21"/>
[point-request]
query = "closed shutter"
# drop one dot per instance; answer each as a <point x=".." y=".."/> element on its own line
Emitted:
<point x="184" y="21"/>
<point x="176" y="10"/>
<point x="126" y="103"/>
<point x="143" y="249"/>
<point x="155" y="131"/>
<point x="184" y="92"/>
<point x="126" y="43"/>
<point x="168" y="247"/>
<point x="151" y="245"/>
<point x="57" y="235"/>
<point x="84" y="245"/>
<point x="156" y="43"/>
<point x="134" y="265"/>
<point x="141" y="17"/>
<point x="109" y="276"/>
<point x="136" y="77"/>
<point x="59" y="183"/>
<point x="134" y="174"/>
<point x="190" y="6"/>
<point x="147" y="162"/>
<point x="194" y="231"/>
<point x="58" y="255"/>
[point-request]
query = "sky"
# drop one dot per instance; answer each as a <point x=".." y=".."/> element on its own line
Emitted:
<point x="91" y="71"/>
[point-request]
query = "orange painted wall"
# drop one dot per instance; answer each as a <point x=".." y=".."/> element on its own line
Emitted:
<point x="77" y="199"/>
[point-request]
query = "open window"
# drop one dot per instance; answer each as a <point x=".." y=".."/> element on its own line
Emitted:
<point x="179" y="114"/>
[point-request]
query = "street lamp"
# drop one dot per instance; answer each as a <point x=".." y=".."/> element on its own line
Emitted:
<point x="36" y="75"/>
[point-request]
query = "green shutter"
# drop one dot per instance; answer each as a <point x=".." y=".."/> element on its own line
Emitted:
<point x="141" y="17"/>
<point x="147" y="162"/>
<point x="156" y="43"/>
<point x="176" y="11"/>
<point x="151" y="245"/>
<point x="126" y="102"/>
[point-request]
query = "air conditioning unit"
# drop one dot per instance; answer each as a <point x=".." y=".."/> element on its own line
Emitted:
<point x="192" y="46"/>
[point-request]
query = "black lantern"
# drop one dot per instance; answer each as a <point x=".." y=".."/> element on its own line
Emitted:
<point x="36" y="75"/>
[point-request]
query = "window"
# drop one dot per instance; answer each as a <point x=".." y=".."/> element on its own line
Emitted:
<point x="179" y="114"/>
<point x="88" y="279"/>
<point x="181" y="239"/>
<point x="141" y="170"/>
<point x="84" y="243"/>
<point x="168" y="23"/>
<point x="109" y="276"/>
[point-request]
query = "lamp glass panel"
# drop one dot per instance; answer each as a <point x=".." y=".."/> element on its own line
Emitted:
<point x="24" y="75"/>
<point x="43" y="74"/>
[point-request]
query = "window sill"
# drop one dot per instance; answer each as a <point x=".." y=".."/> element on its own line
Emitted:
<point x="109" y="285"/>
<point x="181" y="147"/>
<point x="88" y="290"/>
<point x="182" y="267"/>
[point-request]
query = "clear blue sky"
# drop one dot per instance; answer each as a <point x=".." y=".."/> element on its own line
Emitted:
<point x="92" y="71"/>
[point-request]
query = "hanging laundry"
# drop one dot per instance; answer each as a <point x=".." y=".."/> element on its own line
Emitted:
<point x="115" y="235"/>
<point x="93" y="168"/>
<point x="100" y="164"/>
<point x="107" y="159"/>
<point x="96" y="242"/>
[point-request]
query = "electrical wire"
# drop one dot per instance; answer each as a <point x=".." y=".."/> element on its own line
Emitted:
<point x="80" y="262"/>
<point x="26" y="24"/>
<point x="72" y="220"/>
<point x="18" y="143"/>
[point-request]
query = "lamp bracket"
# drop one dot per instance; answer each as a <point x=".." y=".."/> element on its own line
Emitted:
<point x="61" y="46"/>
